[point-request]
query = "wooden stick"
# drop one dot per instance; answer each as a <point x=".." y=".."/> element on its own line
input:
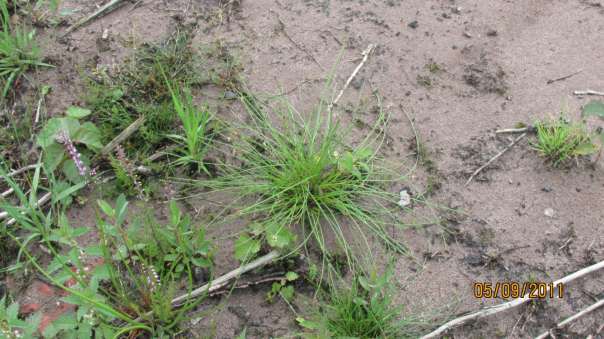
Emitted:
<point x="221" y="281"/>
<point x="588" y="92"/>
<point x="574" y="317"/>
<point x="511" y="304"/>
<point x="7" y="192"/>
<point x="495" y="157"/>
<point x="551" y="81"/>
<point x="43" y="200"/>
<point x="108" y="7"/>
<point x="516" y="130"/>
<point x="365" y="54"/>
<point x="21" y="170"/>
<point x="123" y="135"/>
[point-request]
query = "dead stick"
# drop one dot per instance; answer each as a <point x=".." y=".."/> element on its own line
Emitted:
<point x="551" y="81"/>
<point x="219" y="282"/>
<point x="495" y="158"/>
<point x="516" y="130"/>
<point x="20" y="170"/>
<point x="511" y="304"/>
<point x="43" y="200"/>
<point x="365" y="54"/>
<point x="588" y="92"/>
<point x="7" y="192"/>
<point x="123" y="136"/>
<point x="572" y="318"/>
<point x="111" y="5"/>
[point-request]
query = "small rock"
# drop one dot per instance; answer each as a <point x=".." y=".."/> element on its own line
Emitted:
<point x="405" y="199"/>
<point x="467" y="35"/>
<point x="549" y="212"/>
<point x="105" y="34"/>
<point x="546" y="189"/>
<point x="456" y="10"/>
<point x="413" y="24"/>
<point x="492" y="32"/>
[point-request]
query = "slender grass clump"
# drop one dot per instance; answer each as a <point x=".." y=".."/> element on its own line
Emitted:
<point x="299" y="180"/>
<point x="18" y="51"/>
<point x="364" y="310"/>
<point x="559" y="141"/>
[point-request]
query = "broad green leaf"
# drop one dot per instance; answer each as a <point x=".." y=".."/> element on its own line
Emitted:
<point x="585" y="149"/>
<point x="279" y="236"/>
<point x="53" y="155"/>
<point x="594" y="107"/>
<point x="291" y="276"/>
<point x="246" y="248"/>
<point x="106" y="208"/>
<point x="89" y="135"/>
<point x="347" y="162"/>
<point x="77" y="112"/>
<point x="287" y="292"/>
<point x="53" y="127"/>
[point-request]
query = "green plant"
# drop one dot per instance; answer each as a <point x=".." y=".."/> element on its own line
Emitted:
<point x="595" y="108"/>
<point x="18" y="51"/>
<point x="366" y="309"/>
<point x="559" y="140"/>
<point x="59" y="138"/>
<point x="283" y="288"/>
<point x="139" y="89"/>
<point x="11" y="326"/>
<point x="298" y="177"/>
<point x="193" y="145"/>
<point x="147" y="261"/>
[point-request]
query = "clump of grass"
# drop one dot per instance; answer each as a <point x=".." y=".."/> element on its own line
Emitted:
<point x="364" y="310"/>
<point x="18" y="51"/>
<point x="559" y="140"/>
<point x="299" y="178"/>
<point x="139" y="88"/>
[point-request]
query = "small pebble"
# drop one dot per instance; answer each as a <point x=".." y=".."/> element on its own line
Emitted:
<point x="549" y="212"/>
<point x="546" y="189"/>
<point x="413" y="24"/>
<point x="492" y="32"/>
<point x="405" y="199"/>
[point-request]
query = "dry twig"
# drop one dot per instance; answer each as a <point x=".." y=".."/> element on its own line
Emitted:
<point x="572" y="318"/>
<point x="123" y="135"/>
<point x="588" y="92"/>
<point x="551" y="81"/>
<point x="365" y="54"/>
<point x="221" y="281"/>
<point x="508" y="147"/>
<point x="103" y="10"/>
<point x="509" y="305"/>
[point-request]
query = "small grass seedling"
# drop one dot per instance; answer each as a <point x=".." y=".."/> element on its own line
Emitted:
<point x="18" y="51"/>
<point x="193" y="145"/>
<point x="559" y="140"/>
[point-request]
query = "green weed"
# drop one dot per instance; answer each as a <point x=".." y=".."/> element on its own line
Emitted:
<point x="559" y="140"/>
<point x="18" y="51"/>
<point x="193" y="145"/>
<point x="139" y="88"/>
<point x="298" y="178"/>
<point x="364" y="310"/>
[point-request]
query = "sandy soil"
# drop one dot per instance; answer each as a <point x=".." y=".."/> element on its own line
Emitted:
<point x="461" y="69"/>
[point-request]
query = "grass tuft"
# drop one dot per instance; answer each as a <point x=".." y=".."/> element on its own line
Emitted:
<point x="559" y="140"/>
<point x="298" y="177"/>
<point x="18" y="51"/>
<point x="364" y="310"/>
